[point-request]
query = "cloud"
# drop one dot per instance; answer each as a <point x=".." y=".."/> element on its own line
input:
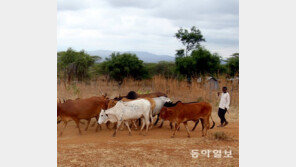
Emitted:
<point x="146" y="25"/>
<point x="133" y="3"/>
<point x="71" y="5"/>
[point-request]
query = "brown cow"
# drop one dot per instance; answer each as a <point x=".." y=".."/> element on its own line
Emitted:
<point x="81" y="109"/>
<point x="184" y="112"/>
<point x="171" y="124"/>
<point x="61" y="100"/>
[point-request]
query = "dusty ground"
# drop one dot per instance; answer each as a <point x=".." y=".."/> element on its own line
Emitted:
<point x="156" y="149"/>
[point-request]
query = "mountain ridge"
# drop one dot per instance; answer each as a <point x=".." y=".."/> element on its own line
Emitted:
<point x="147" y="57"/>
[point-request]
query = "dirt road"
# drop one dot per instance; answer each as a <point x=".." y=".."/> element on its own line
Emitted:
<point x="156" y="149"/>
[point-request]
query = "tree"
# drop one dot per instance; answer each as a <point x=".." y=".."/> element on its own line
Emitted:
<point x="185" y="66"/>
<point x="191" y="40"/>
<point x="205" y="62"/>
<point x="199" y="63"/>
<point x="164" y="68"/>
<point x="233" y="64"/>
<point x="75" y="64"/>
<point x="120" y="66"/>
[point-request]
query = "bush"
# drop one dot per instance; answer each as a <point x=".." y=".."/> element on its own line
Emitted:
<point x="199" y="63"/>
<point x="164" y="68"/>
<point x="74" y="64"/>
<point x="120" y="66"/>
<point x="232" y="65"/>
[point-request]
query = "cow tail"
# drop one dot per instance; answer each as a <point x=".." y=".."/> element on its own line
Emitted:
<point x="213" y="123"/>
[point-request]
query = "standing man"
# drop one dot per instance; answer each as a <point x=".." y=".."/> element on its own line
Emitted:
<point x="223" y="106"/>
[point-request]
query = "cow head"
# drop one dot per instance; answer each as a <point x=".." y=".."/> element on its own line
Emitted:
<point x="103" y="117"/>
<point x="165" y="99"/>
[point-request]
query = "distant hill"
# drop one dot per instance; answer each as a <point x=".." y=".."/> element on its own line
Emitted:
<point x="145" y="56"/>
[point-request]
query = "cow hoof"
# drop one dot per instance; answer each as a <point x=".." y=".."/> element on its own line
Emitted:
<point x="129" y="134"/>
<point x="188" y="136"/>
<point x="172" y="136"/>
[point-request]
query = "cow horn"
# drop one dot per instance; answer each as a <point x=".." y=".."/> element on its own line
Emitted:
<point x="101" y="91"/>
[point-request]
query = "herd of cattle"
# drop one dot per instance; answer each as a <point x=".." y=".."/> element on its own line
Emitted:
<point x="132" y="110"/>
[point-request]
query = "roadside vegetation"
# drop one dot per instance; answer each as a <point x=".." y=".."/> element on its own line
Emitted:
<point x="192" y="61"/>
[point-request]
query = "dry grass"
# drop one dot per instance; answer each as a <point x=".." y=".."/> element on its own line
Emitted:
<point x="220" y="135"/>
<point x="176" y="90"/>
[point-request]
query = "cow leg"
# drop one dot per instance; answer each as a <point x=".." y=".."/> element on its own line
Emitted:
<point x="171" y="125"/>
<point x="147" y="122"/>
<point x="58" y="120"/>
<point x="157" y="119"/>
<point x="98" y="125"/>
<point x="127" y="125"/>
<point x="152" y="119"/>
<point x="135" y="125"/>
<point x="195" y="125"/>
<point x="65" y="125"/>
<point x="142" y="119"/>
<point x="82" y="122"/>
<point x="136" y="121"/>
<point x="87" y="125"/>
<point x="206" y="126"/>
<point x="139" y="121"/>
<point x="202" y="124"/>
<point x="160" y="126"/>
<point x="77" y="124"/>
<point x="176" y="128"/>
<point x="97" y="128"/>
<point x="95" y="122"/>
<point x="121" y="127"/>
<point x="108" y="125"/>
<point x="186" y="126"/>
<point x="117" y="127"/>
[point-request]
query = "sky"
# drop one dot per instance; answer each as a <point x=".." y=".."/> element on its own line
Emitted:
<point x="146" y="25"/>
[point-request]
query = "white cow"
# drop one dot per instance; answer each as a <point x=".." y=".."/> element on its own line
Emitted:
<point x="159" y="102"/>
<point x="124" y="111"/>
